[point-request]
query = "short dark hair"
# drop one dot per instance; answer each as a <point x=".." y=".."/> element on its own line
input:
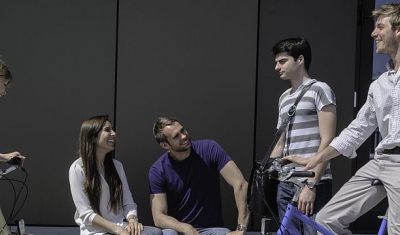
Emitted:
<point x="295" y="47"/>
<point x="159" y="126"/>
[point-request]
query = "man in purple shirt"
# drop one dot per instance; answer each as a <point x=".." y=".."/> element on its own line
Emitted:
<point x="184" y="183"/>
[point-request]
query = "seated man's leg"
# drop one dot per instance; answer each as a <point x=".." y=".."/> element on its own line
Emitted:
<point x="149" y="230"/>
<point x="213" y="231"/>
<point x="355" y="198"/>
<point x="4" y="229"/>
<point x="169" y="232"/>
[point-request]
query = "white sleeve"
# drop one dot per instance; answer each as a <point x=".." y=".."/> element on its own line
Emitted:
<point x="81" y="201"/>
<point x="129" y="206"/>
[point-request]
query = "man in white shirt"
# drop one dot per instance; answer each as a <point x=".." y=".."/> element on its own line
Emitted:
<point x="381" y="110"/>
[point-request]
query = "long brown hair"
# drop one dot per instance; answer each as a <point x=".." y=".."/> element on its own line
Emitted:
<point x="87" y="151"/>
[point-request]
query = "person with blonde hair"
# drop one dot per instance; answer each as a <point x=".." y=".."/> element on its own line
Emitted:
<point x="381" y="110"/>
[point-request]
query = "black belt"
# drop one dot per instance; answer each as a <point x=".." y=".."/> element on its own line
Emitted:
<point x="395" y="150"/>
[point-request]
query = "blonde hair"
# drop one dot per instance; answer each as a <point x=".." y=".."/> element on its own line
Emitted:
<point x="391" y="10"/>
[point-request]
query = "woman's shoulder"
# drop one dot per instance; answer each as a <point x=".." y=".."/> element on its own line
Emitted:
<point x="76" y="167"/>
<point x="117" y="164"/>
<point x="77" y="163"/>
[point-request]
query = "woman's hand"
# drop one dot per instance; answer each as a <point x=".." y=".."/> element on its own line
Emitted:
<point x="8" y="156"/>
<point x="121" y="231"/>
<point x="134" y="227"/>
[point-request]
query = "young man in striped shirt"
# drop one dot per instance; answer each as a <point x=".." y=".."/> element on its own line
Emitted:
<point x="310" y="130"/>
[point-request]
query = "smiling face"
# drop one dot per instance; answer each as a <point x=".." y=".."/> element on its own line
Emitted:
<point x="178" y="139"/>
<point x="105" y="141"/>
<point x="385" y="37"/>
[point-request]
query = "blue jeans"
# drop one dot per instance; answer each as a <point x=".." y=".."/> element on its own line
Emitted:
<point x="149" y="230"/>
<point x="202" y="231"/>
<point x="285" y="194"/>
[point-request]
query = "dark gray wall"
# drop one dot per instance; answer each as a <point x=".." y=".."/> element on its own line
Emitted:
<point x="62" y="56"/>
<point x="331" y="29"/>
<point x="195" y="60"/>
<point x="334" y="58"/>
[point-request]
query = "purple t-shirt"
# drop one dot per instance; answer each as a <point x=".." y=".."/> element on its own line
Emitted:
<point x="192" y="186"/>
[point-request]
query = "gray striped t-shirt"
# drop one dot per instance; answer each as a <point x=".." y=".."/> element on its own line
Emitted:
<point x="302" y="134"/>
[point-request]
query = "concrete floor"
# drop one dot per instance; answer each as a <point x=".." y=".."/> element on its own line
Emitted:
<point x="38" y="230"/>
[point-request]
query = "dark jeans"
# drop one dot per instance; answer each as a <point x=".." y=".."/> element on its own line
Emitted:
<point x="285" y="193"/>
<point x="202" y="231"/>
<point x="149" y="230"/>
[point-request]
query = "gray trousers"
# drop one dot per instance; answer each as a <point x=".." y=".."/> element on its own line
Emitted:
<point x="202" y="231"/>
<point x="4" y="229"/>
<point x="358" y="196"/>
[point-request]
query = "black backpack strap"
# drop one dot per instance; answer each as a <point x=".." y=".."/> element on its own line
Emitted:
<point x="290" y="114"/>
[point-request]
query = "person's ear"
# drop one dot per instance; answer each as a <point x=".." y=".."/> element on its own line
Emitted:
<point x="397" y="30"/>
<point x="164" y="145"/>
<point x="300" y="59"/>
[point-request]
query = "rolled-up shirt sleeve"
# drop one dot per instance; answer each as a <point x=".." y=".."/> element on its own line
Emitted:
<point x="359" y="130"/>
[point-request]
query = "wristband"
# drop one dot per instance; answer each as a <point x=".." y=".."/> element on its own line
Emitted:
<point x="241" y="227"/>
<point x="311" y="185"/>
<point x="134" y="217"/>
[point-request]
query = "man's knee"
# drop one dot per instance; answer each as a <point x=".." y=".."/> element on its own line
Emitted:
<point x="320" y="217"/>
<point x="169" y="232"/>
<point x="213" y="231"/>
<point x="149" y="230"/>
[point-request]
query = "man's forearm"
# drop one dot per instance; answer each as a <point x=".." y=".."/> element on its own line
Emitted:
<point x="319" y="171"/>
<point x="327" y="154"/>
<point x="169" y="222"/>
<point x="241" y="203"/>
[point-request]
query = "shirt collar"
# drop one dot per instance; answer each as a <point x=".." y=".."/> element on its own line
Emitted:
<point x="307" y="82"/>
<point x="390" y="67"/>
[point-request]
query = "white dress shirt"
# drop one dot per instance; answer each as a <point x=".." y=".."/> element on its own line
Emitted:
<point x="382" y="110"/>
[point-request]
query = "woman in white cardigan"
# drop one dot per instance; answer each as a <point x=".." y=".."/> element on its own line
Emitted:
<point x="99" y="188"/>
